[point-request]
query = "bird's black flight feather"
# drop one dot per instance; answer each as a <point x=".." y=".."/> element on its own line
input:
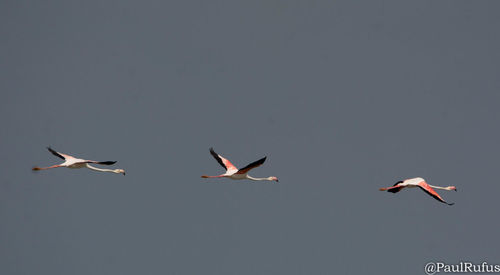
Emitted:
<point x="254" y="164"/>
<point x="216" y="156"/>
<point x="55" y="153"/>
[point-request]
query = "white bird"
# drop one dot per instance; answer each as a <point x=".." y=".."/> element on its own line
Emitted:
<point x="419" y="182"/>
<point x="75" y="163"/>
<point x="238" y="174"/>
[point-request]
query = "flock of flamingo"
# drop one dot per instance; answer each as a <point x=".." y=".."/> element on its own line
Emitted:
<point x="238" y="174"/>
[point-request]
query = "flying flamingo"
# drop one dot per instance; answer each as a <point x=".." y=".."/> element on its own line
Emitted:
<point x="419" y="182"/>
<point x="237" y="174"/>
<point x="72" y="162"/>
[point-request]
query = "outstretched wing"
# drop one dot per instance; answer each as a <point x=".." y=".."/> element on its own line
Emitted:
<point x="395" y="189"/>
<point x="251" y="166"/>
<point x="427" y="189"/>
<point x="59" y="155"/>
<point x="223" y="162"/>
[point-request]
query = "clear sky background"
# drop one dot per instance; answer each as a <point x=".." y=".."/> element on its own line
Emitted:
<point x="344" y="97"/>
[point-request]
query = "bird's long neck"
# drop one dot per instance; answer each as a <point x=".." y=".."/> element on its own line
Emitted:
<point x="252" y="178"/>
<point x="99" y="169"/>
<point x="439" y="187"/>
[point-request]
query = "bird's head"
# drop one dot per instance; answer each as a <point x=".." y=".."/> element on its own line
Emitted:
<point x="451" y="188"/>
<point x="273" y="178"/>
<point x="119" y="171"/>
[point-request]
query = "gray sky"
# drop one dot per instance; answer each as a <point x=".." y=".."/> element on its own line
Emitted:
<point x="343" y="97"/>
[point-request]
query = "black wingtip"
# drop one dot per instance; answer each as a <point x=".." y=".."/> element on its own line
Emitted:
<point x="260" y="161"/>
<point x="217" y="158"/>
<point x="395" y="190"/>
<point x="106" y="162"/>
<point x="52" y="151"/>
